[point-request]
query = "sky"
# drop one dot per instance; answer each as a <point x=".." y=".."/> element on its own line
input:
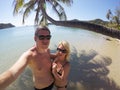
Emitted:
<point x="79" y="9"/>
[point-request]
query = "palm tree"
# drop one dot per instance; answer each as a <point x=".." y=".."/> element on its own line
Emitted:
<point x="41" y="16"/>
<point x="39" y="6"/>
<point x="116" y="20"/>
<point x="117" y="16"/>
<point x="109" y="15"/>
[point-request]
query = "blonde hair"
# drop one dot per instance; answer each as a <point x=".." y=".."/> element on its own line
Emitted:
<point x="66" y="45"/>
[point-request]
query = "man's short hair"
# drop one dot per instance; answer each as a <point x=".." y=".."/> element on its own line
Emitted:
<point x="41" y="28"/>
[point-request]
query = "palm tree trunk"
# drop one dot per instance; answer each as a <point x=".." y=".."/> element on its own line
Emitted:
<point x="85" y="25"/>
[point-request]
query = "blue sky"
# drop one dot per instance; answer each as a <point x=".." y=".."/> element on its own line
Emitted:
<point x="80" y="9"/>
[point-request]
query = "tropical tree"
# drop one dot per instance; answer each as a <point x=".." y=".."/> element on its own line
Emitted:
<point x="114" y="18"/>
<point x="39" y="6"/>
<point x="117" y="16"/>
<point x="109" y="15"/>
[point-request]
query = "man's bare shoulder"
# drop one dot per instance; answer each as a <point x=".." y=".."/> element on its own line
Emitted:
<point x="29" y="53"/>
<point x="31" y="50"/>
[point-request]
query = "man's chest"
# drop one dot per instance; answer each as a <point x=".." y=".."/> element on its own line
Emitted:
<point x="41" y="62"/>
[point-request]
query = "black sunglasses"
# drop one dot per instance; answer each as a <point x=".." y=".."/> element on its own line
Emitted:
<point x="43" y="37"/>
<point x="61" y="50"/>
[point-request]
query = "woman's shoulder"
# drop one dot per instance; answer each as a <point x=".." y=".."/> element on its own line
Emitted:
<point x="67" y="67"/>
<point x="66" y="64"/>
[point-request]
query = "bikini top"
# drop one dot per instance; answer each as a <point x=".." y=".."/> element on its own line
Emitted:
<point x="60" y="72"/>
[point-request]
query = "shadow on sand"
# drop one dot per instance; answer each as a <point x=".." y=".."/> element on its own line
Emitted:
<point x="89" y="72"/>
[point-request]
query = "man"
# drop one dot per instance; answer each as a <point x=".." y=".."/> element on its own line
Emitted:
<point x="38" y="58"/>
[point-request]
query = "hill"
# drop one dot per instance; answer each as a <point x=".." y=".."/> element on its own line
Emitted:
<point x="99" y="22"/>
<point x="95" y="21"/>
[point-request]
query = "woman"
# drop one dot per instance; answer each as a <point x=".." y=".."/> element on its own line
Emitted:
<point x="61" y="65"/>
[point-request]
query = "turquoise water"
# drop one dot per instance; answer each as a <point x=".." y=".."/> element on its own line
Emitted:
<point x="14" y="41"/>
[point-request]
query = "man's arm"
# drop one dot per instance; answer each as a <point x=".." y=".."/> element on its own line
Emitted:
<point x="53" y="56"/>
<point x="10" y="75"/>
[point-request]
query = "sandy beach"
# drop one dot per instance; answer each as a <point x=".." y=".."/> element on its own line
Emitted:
<point x="90" y="70"/>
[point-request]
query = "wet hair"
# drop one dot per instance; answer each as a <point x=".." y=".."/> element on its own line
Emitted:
<point x="66" y="45"/>
<point x="41" y="28"/>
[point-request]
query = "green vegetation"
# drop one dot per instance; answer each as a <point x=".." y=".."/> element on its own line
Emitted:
<point x="105" y="24"/>
<point x="114" y="18"/>
<point x="99" y="22"/>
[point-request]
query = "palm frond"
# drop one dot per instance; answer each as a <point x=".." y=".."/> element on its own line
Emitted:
<point x="38" y="13"/>
<point x="18" y="5"/>
<point x="43" y="21"/>
<point x="67" y="2"/>
<point x="59" y="10"/>
<point x="28" y="8"/>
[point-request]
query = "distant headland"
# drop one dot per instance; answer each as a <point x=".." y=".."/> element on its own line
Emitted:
<point x="6" y="25"/>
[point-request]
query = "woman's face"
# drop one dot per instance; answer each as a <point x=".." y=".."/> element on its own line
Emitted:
<point x="61" y="51"/>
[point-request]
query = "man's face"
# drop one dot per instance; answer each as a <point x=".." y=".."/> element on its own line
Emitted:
<point x="43" y="39"/>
